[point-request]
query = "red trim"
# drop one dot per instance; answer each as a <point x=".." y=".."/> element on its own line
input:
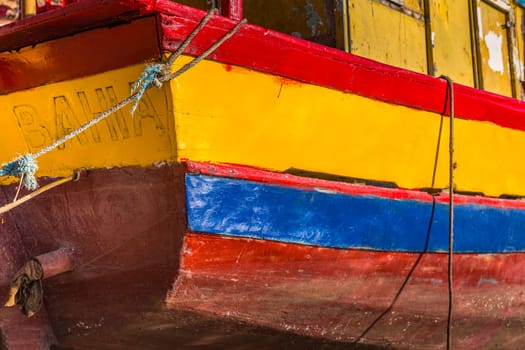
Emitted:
<point x="275" y="53"/>
<point x="264" y="176"/>
<point x="211" y="254"/>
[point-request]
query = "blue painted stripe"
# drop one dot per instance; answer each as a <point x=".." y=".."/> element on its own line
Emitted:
<point x="250" y="209"/>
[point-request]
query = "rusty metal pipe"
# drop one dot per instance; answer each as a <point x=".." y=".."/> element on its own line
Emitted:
<point x="56" y="262"/>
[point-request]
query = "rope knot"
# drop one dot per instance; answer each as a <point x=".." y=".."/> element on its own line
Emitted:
<point x="154" y="74"/>
<point x="23" y="167"/>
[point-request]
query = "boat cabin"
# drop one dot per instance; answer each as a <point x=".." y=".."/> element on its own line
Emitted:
<point x="477" y="43"/>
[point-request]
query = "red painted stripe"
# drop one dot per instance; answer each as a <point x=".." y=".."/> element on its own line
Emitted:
<point x="220" y="254"/>
<point x="265" y="176"/>
<point x="275" y="53"/>
<point x="339" y="294"/>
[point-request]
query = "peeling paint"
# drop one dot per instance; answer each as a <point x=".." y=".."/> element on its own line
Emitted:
<point x="313" y="19"/>
<point x="494" y="45"/>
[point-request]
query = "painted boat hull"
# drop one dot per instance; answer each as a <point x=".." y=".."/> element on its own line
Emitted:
<point x="167" y="234"/>
<point x="350" y="296"/>
<point x="335" y="279"/>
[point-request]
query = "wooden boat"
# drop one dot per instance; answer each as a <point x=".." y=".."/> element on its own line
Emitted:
<point x="279" y="183"/>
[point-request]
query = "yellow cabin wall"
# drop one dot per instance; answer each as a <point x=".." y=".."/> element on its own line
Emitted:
<point x="451" y="42"/>
<point x="465" y="40"/>
<point x="387" y="35"/>
<point x="413" y="5"/>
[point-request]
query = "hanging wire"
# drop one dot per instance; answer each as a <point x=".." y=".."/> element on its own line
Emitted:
<point x="452" y="166"/>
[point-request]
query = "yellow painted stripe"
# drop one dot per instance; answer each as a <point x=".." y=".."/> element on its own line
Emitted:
<point x="234" y="115"/>
<point x="34" y="118"/>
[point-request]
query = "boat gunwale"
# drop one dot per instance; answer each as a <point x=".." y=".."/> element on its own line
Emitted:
<point x="303" y="61"/>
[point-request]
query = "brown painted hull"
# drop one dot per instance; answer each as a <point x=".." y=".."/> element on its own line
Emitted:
<point x="125" y="227"/>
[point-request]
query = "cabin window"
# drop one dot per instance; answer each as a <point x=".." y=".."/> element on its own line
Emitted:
<point x="314" y="20"/>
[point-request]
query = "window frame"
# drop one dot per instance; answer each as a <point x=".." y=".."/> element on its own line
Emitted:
<point x="504" y="7"/>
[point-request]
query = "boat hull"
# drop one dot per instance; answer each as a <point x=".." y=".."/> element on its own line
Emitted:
<point x="396" y="300"/>
<point x="165" y="230"/>
<point x="308" y="255"/>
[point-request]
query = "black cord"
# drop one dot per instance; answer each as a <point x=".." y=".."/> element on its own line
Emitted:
<point x="450" y="212"/>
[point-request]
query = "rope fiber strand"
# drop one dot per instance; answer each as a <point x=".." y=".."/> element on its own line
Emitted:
<point x="25" y="166"/>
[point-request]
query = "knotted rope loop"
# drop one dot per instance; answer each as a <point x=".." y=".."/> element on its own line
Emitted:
<point x="153" y="75"/>
<point x="157" y="73"/>
<point x="23" y="167"/>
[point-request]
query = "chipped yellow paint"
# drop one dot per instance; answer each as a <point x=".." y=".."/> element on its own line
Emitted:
<point x="452" y="51"/>
<point x="34" y="118"/>
<point x="494" y="49"/>
<point x="244" y="117"/>
<point x="387" y="35"/>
